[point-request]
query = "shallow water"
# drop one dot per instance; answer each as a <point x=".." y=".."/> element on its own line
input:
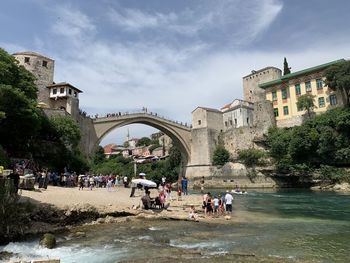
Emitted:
<point x="289" y="225"/>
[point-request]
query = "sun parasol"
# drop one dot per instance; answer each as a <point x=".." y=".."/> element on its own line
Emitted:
<point x="144" y="182"/>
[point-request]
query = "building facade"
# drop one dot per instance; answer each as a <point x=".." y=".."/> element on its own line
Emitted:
<point x="285" y="91"/>
<point x="238" y="113"/>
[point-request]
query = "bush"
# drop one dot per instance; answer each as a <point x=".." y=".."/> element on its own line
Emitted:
<point x="335" y="175"/>
<point x="3" y="158"/>
<point x="220" y="156"/>
<point x="251" y="157"/>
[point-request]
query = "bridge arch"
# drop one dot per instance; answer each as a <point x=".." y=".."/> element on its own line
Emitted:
<point x="180" y="134"/>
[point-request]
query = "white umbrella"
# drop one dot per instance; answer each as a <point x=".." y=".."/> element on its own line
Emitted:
<point x="142" y="174"/>
<point x="144" y="182"/>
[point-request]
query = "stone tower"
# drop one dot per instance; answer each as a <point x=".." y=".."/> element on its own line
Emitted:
<point x="251" y="90"/>
<point x="42" y="68"/>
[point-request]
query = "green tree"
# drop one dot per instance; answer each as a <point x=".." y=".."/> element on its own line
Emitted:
<point x="22" y="120"/>
<point x="67" y="130"/>
<point x="99" y="155"/>
<point x="286" y="68"/>
<point x="306" y="102"/>
<point x="174" y="157"/>
<point x="251" y="157"/>
<point x="338" y="79"/>
<point x="220" y="156"/>
<point x="144" y="141"/>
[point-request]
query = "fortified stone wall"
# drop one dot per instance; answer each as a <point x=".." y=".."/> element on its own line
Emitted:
<point x="88" y="135"/>
<point x="239" y="139"/>
<point x="233" y="175"/>
<point x="294" y="121"/>
<point x="263" y="117"/>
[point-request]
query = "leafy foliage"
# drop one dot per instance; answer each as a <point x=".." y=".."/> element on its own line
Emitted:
<point x="220" y="156"/>
<point x="338" y="78"/>
<point x="306" y="102"/>
<point x="323" y="140"/>
<point x="332" y="174"/>
<point x="3" y="157"/>
<point x="155" y="170"/>
<point x="251" y="157"/>
<point x="67" y="130"/>
<point x="22" y="120"/>
<point x="99" y="155"/>
<point x="144" y="141"/>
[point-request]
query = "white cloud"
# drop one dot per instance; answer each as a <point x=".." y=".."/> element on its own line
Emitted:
<point x="73" y="24"/>
<point x="245" y="20"/>
<point x="135" y="20"/>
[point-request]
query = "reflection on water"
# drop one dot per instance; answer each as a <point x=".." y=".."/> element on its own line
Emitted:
<point x="287" y="225"/>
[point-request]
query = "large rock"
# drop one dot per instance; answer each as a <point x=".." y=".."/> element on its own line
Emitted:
<point x="48" y="240"/>
<point x="342" y="187"/>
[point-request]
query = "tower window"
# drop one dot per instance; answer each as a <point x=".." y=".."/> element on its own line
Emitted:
<point x="70" y="91"/>
<point x="199" y="122"/>
<point x="45" y="63"/>
<point x="54" y="91"/>
<point x="75" y="94"/>
<point x="61" y="90"/>
<point x="26" y="59"/>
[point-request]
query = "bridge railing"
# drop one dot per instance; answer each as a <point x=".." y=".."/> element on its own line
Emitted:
<point x="145" y="112"/>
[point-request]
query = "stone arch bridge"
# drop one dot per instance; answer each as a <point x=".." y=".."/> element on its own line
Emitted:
<point x="179" y="133"/>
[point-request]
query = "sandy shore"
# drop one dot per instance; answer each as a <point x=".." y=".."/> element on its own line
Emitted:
<point x="118" y="199"/>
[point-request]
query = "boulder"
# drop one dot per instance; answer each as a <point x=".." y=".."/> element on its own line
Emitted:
<point x="48" y="240"/>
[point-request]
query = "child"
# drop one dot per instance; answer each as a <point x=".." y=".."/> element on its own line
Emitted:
<point x="216" y="204"/>
<point x="193" y="215"/>
<point x="179" y="194"/>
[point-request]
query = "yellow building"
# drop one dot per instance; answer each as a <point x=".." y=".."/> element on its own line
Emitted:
<point x="284" y="93"/>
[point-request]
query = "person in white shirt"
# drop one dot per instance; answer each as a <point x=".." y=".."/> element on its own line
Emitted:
<point x="228" y="202"/>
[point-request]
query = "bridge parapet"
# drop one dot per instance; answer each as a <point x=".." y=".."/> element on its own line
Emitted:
<point x="125" y="116"/>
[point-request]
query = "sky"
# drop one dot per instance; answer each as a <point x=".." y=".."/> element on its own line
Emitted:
<point x="171" y="56"/>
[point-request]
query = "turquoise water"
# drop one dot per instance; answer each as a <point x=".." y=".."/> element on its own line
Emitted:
<point x="290" y="225"/>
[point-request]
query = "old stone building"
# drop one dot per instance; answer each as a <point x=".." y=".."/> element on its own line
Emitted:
<point x="58" y="96"/>
<point x="56" y="99"/>
<point x="42" y="68"/>
<point x="238" y="113"/>
<point x="251" y="90"/>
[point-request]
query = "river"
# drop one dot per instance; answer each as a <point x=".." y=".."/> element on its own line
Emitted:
<point x="286" y="225"/>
